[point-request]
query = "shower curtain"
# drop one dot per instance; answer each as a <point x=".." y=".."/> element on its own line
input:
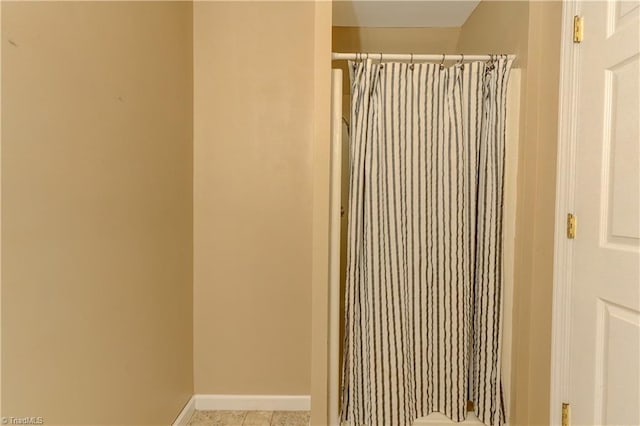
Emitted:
<point x="423" y="291"/>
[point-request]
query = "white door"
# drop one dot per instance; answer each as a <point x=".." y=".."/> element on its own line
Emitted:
<point x="604" y="352"/>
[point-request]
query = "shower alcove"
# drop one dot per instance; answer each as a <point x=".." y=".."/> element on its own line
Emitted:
<point x="436" y="38"/>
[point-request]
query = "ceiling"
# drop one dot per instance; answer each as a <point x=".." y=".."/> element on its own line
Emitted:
<point x="402" y="13"/>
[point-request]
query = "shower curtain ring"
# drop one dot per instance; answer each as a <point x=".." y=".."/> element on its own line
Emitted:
<point x="411" y="64"/>
<point x="492" y="62"/>
<point x="380" y="61"/>
<point x="442" y="61"/>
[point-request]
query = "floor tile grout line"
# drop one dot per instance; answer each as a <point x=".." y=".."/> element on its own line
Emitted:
<point x="240" y="417"/>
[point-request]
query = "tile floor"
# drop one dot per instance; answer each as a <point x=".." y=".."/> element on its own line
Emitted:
<point x="253" y="418"/>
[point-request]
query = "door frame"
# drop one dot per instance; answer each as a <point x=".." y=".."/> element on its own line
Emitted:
<point x="569" y="95"/>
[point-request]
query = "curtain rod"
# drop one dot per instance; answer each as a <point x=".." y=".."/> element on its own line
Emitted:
<point x="410" y="56"/>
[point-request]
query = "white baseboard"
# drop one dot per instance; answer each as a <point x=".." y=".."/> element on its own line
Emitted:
<point x="186" y="413"/>
<point x="253" y="402"/>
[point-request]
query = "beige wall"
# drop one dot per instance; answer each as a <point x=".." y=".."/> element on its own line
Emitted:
<point x="96" y="211"/>
<point x="394" y="40"/>
<point x="538" y="209"/>
<point x="253" y="124"/>
<point x="497" y="27"/>
<point x="532" y="31"/>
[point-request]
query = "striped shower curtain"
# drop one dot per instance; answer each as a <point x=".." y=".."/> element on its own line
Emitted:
<point x="424" y="275"/>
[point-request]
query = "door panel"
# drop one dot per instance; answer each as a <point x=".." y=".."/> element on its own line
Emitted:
<point x="616" y="371"/>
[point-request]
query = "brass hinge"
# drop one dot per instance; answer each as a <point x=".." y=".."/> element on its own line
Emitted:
<point x="578" y="28"/>
<point x="571" y="226"/>
<point x="566" y="414"/>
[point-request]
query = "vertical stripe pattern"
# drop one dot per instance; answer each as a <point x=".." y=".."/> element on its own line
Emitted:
<point x="424" y="275"/>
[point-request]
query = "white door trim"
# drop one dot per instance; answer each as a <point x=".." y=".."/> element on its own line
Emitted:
<point x="565" y="184"/>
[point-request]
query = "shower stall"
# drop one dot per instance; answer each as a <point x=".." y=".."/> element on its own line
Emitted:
<point x="340" y="122"/>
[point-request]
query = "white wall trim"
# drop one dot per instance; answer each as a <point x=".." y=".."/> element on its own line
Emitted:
<point x="334" y="247"/>
<point x="512" y="138"/>
<point x="186" y="413"/>
<point x="1" y="352"/>
<point x="565" y="185"/>
<point x="253" y="402"/>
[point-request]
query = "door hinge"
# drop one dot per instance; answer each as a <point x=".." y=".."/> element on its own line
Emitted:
<point x="571" y="226"/>
<point x="566" y="414"/>
<point x="578" y="28"/>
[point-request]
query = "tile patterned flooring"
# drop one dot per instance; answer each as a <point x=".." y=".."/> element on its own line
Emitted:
<point x="250" y="418"/>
